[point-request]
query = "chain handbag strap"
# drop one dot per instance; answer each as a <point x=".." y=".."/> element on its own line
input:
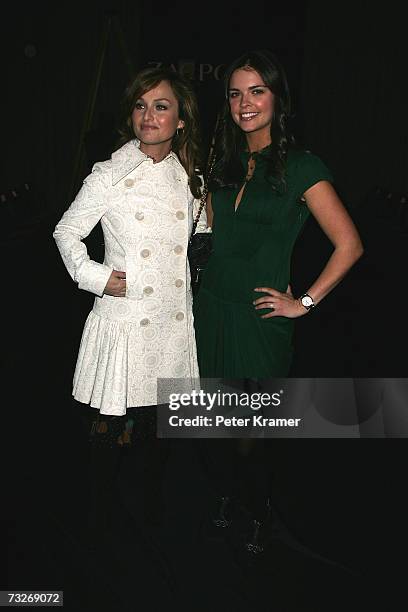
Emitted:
<point x="202" y="203"/>
<point x="211" y="161"/>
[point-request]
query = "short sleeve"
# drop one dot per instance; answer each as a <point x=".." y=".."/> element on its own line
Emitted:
<point x="310" y="170"/>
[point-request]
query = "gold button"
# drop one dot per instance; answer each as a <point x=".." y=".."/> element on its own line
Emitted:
<point x="179" y="282"/>
<point x="178" y="249"/>
<point x="148" y="290"/>
<point x="144" y="322"/>
<point x="145" y="253"/>
<point x="129" y="182"/>
<point x="180" y="316"/>
<point x="180" y="215"/>
<point x="139" y="216"/>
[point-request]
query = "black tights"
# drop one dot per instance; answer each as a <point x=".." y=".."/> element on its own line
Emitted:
<point x="239" y="468"/>
<point x="125" y="458"/>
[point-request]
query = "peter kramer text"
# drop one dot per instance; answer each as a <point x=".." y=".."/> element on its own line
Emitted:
<point x="222" y="421"/>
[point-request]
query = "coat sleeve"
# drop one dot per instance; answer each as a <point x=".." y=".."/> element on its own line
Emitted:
<point x="76" y="224"/>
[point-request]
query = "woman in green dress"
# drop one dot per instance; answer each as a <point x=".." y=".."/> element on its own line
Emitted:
<point x="262" y="190"/>
<point x="261" y="193"/>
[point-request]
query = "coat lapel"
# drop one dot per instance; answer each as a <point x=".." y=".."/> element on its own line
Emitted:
<point x="129" y="157"/>
<point x="126" y="159"/>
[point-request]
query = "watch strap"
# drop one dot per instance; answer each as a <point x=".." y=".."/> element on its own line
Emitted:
<point x="310" y="301"/>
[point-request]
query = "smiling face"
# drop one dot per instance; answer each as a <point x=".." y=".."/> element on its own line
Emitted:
<point x="155" y="117"/>
<point x="251" y="103"/>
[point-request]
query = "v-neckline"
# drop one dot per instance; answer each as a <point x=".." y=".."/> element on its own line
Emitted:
<point x="240" y="196"/>
<point x="248" y="178"/>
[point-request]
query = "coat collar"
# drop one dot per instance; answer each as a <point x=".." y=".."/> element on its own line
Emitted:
<point x="129" y="157"/>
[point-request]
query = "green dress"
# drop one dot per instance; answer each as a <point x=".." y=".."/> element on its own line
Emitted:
<point x="252" y="247"/>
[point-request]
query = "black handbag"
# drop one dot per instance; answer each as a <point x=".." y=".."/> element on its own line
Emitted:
<point x="200" y="243"/>
<point x="199" y="248"/>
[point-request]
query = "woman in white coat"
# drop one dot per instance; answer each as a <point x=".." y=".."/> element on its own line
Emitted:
<point x="141" y="324"/>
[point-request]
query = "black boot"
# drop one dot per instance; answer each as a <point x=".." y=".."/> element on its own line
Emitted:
<point x="250" y="537"/>
<point x="257" y="538"/>
<point x="219" y="519"/>
<point x="255" y="541"/>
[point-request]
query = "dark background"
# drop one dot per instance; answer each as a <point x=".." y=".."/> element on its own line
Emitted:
<point x="346" y="68"/>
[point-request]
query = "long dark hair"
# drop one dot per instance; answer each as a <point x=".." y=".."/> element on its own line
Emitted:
<point x="186" y="144"/>
<point x="231" y="139"/>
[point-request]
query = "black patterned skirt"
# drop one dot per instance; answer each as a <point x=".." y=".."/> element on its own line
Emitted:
<point x="112" y="431"/>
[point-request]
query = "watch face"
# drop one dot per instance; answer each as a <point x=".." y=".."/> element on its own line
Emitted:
<point x="307" y="301"/>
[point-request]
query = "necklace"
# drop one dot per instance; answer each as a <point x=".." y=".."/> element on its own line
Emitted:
<point x="251" y="168"/>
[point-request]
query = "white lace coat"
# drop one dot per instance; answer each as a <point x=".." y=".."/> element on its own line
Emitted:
<point x="146" y="212"/>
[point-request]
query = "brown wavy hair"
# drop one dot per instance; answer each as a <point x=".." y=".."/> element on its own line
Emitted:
<point x="186" y="144"/>
<point x="231" y="140"/>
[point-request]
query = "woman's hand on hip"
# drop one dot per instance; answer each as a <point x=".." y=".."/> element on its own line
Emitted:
<point x="281" y="304"/>
<point x="116" y="285"/>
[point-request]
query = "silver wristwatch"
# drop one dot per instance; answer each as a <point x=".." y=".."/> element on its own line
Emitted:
<point x="307" y="301"/>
